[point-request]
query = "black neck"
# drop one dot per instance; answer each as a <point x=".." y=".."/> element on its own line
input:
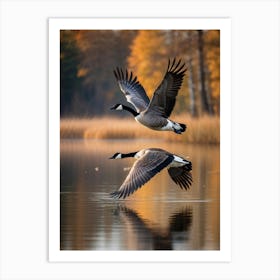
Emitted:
<point x="133" y="112"/>
<point x="129" y="155"/>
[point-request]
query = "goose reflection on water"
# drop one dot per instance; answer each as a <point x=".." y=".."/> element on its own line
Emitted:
<point x="146" y="235"/>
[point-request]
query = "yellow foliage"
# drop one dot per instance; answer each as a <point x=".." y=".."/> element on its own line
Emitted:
<point x="212" y="55"/>
<point x="148" y="58"/>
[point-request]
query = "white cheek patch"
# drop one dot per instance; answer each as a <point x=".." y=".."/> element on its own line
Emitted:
<point x="118" y="156"/>
<point x="120" y="107"/>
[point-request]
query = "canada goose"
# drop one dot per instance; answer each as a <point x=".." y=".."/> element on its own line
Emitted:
<point x="149" y="163"/>
<point x="153" y="114"/>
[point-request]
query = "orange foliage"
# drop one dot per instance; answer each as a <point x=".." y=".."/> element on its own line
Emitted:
<point x="148" y="58"/>
<point x="212" y="55"/>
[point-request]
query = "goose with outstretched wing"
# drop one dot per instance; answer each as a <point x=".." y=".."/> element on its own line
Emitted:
<point x="153" y="113"/>
<point x="150" y="162"/>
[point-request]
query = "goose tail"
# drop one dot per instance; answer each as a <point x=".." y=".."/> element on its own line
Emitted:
<point x="183" y="127"/>
<point x="179" y="128"/>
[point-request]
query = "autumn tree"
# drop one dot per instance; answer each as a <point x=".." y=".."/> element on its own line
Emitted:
<point x="205" y="97"/>
<point x="201" y="51"/>
<point x="102" y="51"/>
<point x="183" y="45"/>
<point x="150" y="52"/>
<point x="70" y="83"/>
<point x="88" y="58"/>
<point x="212" y="57"/>
<point x="148" y="58"/>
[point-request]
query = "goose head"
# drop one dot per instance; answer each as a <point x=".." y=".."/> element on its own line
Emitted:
<point x="120" y="155"/>
<point x="116" y="156"/>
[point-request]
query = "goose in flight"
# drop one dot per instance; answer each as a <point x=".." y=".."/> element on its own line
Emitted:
<point x="149" y="163"/>
<point x="153" y="114"/>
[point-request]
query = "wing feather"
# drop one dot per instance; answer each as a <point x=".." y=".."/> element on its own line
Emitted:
<point x="142" y="171"/>
<point x="182" y="176"/>
<point x="132" y="89"/>
<point x="164" y="98"/>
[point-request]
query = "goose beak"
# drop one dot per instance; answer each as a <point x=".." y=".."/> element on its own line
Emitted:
<point x="112" y="108"/>
<point x="112" y="157"/>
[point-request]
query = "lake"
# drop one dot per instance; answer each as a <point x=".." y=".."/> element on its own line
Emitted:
<point x="158" y="216"/>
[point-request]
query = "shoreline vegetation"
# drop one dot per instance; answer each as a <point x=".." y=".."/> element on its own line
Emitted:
<point x="201" y="130"/>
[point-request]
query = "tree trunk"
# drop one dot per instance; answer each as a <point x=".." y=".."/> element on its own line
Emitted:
<point x="209" y="93"/>
<point x="193" y="109"/>
<point x="203" y="93"/>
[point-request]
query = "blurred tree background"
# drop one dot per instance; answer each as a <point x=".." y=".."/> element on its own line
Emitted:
<point x="88" y="57"/>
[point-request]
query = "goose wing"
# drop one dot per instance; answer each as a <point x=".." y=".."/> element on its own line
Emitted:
<point x="164" y="98"/>
<point x="142" y="171"/>
<point x="132" y="89"/>
<point x="181" y="176"/>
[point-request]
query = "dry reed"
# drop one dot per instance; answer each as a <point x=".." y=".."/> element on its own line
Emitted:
<point x="202" y="130"/>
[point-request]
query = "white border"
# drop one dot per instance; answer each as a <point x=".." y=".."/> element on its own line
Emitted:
<point x="24" y="168"/>
<point x="224" y="254"/>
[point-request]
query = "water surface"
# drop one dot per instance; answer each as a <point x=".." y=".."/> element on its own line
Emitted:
<point x="159" y="216"/>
